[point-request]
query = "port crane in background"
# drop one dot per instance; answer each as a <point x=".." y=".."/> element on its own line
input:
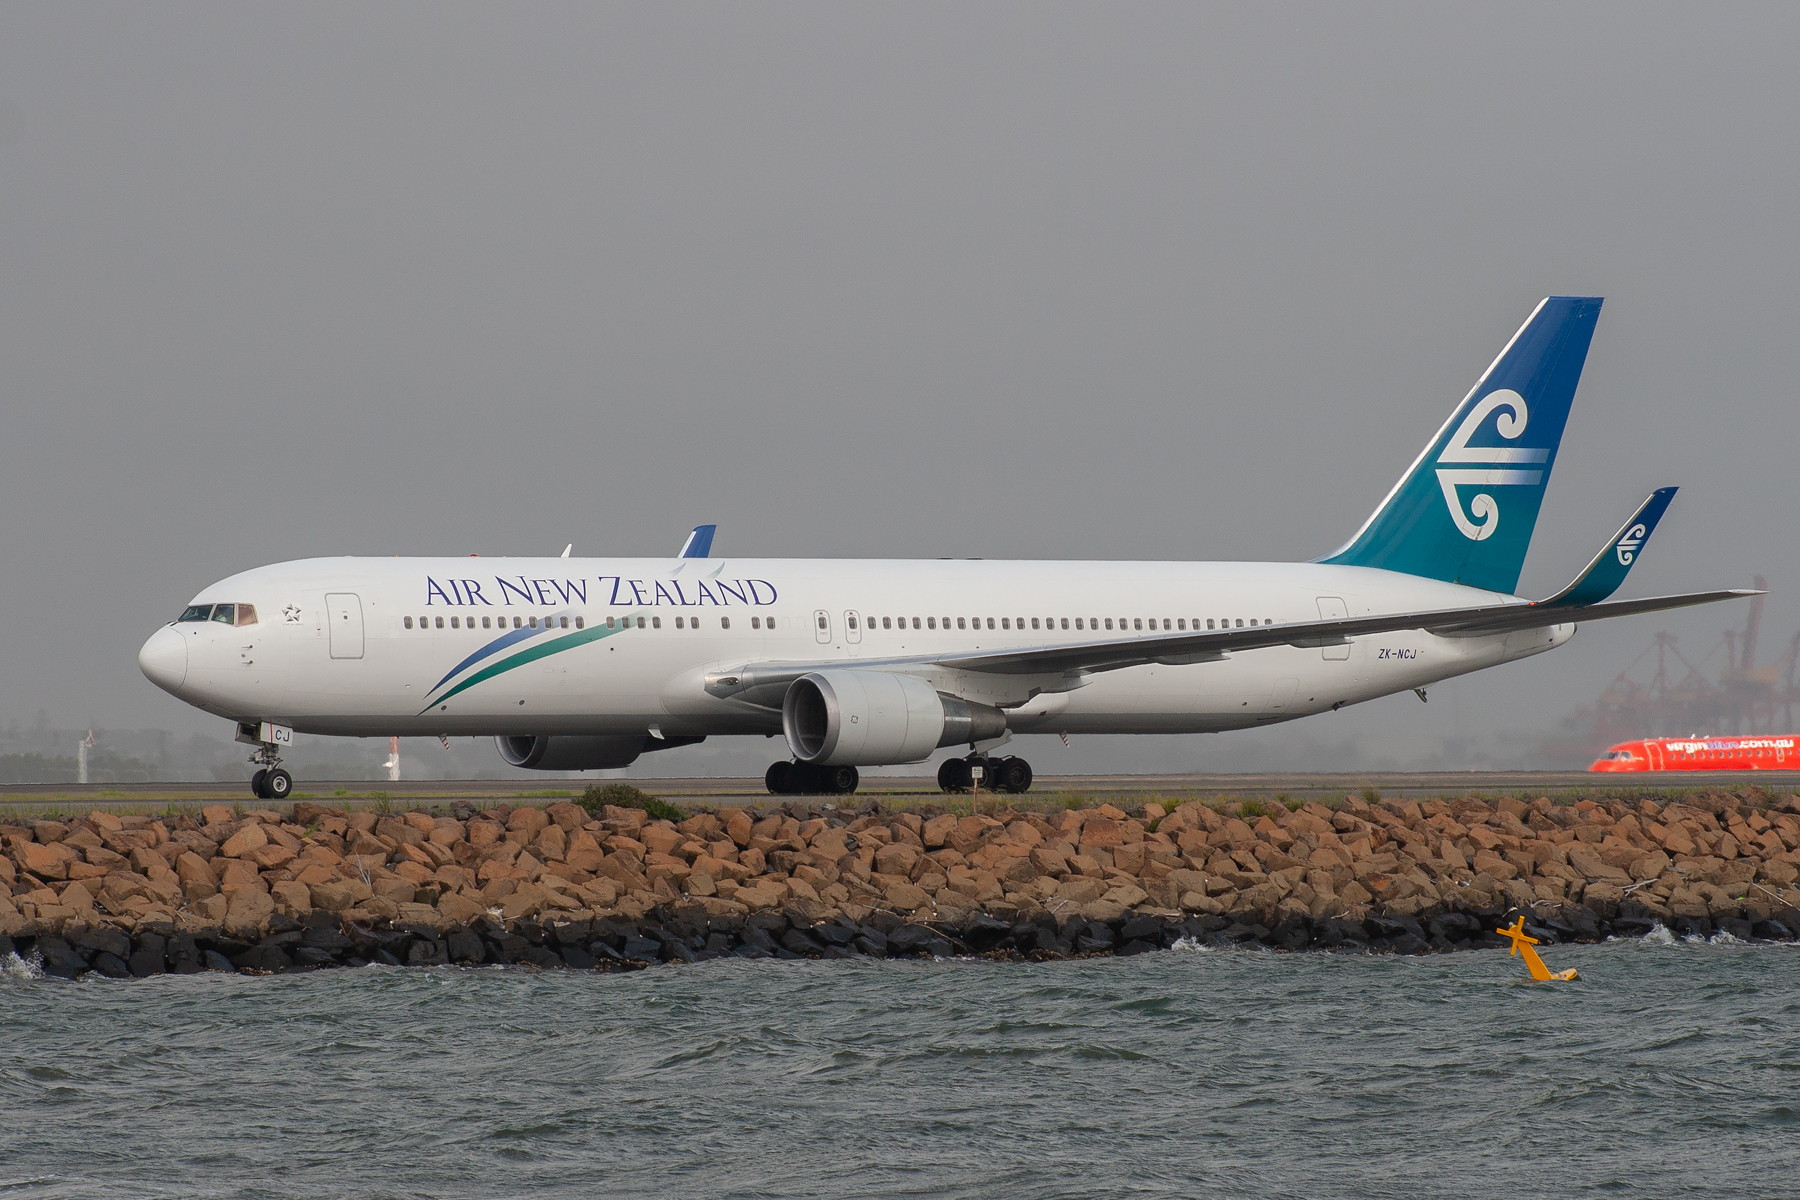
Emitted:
<point x="1682" y="696"/>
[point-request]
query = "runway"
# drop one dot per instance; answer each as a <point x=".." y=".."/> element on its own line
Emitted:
<point x="909" y="790"/>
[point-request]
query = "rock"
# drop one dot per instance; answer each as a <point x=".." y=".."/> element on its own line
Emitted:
<point x="60" y="958"/>
<point x="291" y="897"/>
<point x="904" y="896"/>
<point x="248" y="910"/>
<point x="1104" y="910"/>
<point x="40" y="860"/>
<point x="217" y="814"/>
<point x="459" y="908"/>
<point x="249" y="838"/>
<point x="1081" y="890"/>
<point x="1126" y="895"/>
<point x="427" y="952"/>
<point x="1135" y="947"/>
<point x="111" y="966"/>
<point x="102" y="940"/>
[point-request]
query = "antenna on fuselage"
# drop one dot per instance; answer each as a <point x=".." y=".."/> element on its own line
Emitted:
<point x="566" y="550"/>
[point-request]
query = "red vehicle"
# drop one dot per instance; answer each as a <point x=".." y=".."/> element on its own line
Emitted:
<point x="1703" y="754"/>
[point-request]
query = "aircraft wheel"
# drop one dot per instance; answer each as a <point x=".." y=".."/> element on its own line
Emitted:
<point x="954" y="776"/>
<point x="257" y="783"/>
<point x="840" y="781"/>
<point x="1010" y="775"/>
<point x="779" y="778"/>
<point x="278" y="784"/>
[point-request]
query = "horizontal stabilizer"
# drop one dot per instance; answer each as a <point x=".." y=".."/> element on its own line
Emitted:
<point x="1602" y="577"/>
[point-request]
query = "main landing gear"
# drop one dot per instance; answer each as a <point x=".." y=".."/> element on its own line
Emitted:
<point x="805" y="779"/>
<point x="1007" y="774"/>
<point x="270" y="782"/>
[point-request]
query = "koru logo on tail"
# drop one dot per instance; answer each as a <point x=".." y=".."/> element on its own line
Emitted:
<point x="1489" y="466"/>
<point x="1628" y="545"/>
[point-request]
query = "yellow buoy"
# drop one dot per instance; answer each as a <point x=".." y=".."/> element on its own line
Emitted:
<point x="1522" y="944"/>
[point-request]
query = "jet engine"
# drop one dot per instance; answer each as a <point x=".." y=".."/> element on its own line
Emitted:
<point x="871" y="718"/>
<point x="566" y="753"/>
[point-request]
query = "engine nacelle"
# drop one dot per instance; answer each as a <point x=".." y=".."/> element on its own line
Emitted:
<point x="872" y="718"/>
<point x="570" y="753"/>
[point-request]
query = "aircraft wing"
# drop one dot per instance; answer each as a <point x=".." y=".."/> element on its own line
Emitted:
<point x="1174" y="649"/>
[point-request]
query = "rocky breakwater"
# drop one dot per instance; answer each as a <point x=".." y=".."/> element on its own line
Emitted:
<point x="563" y="886"/>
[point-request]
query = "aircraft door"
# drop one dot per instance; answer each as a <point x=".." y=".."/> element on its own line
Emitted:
<point x="821" y="625"/>
<point x="852" y="627"/>
<point x="343" y="613"/>
<point x="1332" y="608"/>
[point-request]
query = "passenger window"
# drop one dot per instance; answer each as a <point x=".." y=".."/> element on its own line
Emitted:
<point x="487" y="622"/>
<point x="655" y="622"/>
<point x="246" y="614"/>
<point x="455" y="623"/>
<point x="640" y="622"/>
<point x="224" y="612"/>
<point x="990" y="623"/>
<point x="887" y="622"/>
<point x="1139" y="624"/>
<point x="915" y="622"/>
<point x="1240" y="623"/>
<point x="532" y="621"/>
<point x="196" y="612"/>
<point x="1078" y="622"/>
<point x="962" y="623"/>
<point x="562" y="622"/>
<point x="1165" y="622"/>
<point x="581" y="622"/>
<point x="1253" y="622"/>
<point x="439" y="623"/>
<point x="1034" y="622"/>
<point x="724" y="622"/>
<point x="1181" y="624"/>
<point x="1065" y="623"/>
<point x="406" y="622"/>
<point x="931" y="622"/>
<point x="756" y="622"/>
<point x="609" y="622"/>
<point x="678" y="622"/>
<point x="1109" y="623"/>
<point x="822" y="623"/>
<point x="1006" y="624"/>
<point x="850" y="619"/>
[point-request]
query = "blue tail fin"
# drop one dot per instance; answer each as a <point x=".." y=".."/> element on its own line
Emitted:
<point x="1465" y="510"/>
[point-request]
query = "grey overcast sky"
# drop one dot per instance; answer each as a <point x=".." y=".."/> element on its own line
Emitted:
<point x="1000" y="280"/>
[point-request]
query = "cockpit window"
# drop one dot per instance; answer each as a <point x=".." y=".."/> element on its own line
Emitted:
<point x="227" y="614"/>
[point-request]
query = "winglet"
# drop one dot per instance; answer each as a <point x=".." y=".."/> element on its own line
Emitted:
<point x="699" y="542"/>
<point x="1603" y="576"/>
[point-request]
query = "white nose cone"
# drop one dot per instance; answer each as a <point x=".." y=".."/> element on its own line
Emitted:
<point x="163" y="659"/>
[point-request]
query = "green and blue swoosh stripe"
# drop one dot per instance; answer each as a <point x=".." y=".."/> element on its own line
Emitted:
<point x="551" y="644"/>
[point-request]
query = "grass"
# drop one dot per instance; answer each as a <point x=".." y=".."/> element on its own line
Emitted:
<point x="623" y="795"/>
<point x="549" y="795"/>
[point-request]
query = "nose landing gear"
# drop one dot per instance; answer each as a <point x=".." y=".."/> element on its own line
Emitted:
<point x="806" y="779"/>
<point x="270" y="782"/>
<point x="1007" y="774"/>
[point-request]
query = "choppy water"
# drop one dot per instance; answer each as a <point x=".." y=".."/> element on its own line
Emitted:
<point x="1670" y="1070"/>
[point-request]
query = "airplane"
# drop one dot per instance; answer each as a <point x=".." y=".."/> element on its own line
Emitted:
<point x="1703" y="752"/>
<point x="575" y="664"/>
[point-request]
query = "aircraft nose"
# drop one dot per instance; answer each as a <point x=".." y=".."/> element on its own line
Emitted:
<point x="163" y="659"/>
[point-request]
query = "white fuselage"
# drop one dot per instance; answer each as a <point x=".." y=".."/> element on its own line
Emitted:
<point x="372" y="647"/>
